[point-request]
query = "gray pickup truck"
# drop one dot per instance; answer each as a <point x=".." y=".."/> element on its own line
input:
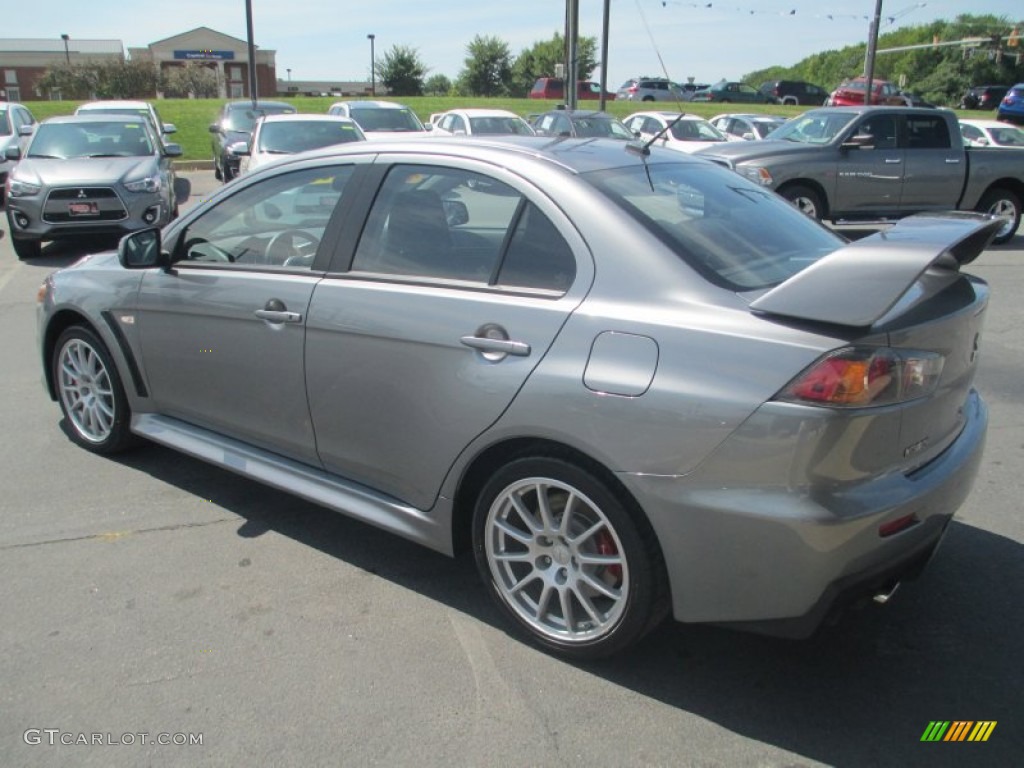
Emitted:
<point x="879" y="164"/>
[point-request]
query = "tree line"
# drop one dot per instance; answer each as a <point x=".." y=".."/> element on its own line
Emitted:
<point x="940" y="73"/>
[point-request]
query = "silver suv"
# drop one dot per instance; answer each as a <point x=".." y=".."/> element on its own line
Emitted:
<point x="650" y="89"/>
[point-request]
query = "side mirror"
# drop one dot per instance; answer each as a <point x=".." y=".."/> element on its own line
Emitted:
<point x="12" y="153"/>
<point x="26" y="130"/>
<point x="214" y="127"/>
<point x="748" y="136"/>
<point x="169" y="128"/>
<point x="239" y="149"/>
<point x="173" y="150"/>
<point x="456" y="212"/>
<point x="142" y="250"/>
<point x="860" y="141"/>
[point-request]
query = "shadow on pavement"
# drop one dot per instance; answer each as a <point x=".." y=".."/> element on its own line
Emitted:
<point x="859" y="693"/>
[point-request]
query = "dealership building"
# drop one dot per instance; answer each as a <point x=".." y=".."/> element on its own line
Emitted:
<point x="23" y="63"/>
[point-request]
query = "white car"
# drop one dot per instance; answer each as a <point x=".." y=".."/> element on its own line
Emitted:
<point x="991" y="133"/>
<point x="276" y="135"/>
<point x="127" y="107"/>
<point x="749" y="127"/>
<point x="381" y="119"/>
<point x="480" y="122"/>
<point x="687" y="133"/>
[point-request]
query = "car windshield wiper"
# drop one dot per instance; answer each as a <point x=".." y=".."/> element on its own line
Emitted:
<point x="104" y="154"/>
<point x="48" y="157"/>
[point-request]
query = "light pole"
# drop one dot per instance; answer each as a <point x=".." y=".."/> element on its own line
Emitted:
<point x="373" y="64"/>
<point x="289" y="71"/>
<point x="67" y="54"/>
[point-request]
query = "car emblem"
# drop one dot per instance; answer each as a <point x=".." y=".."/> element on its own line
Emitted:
<point x="81" y="194"/>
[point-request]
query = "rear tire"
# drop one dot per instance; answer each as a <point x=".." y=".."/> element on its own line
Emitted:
<point x="805" y="200"/>
<point x="1002" y="204"/>
<point x="90" y="392"/>
<point x="566" y="560"/>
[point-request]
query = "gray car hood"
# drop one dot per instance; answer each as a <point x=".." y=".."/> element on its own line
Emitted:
<point x="859" y="283"/>
<point x="745" y="151"/>
<point x="92" y="170"/>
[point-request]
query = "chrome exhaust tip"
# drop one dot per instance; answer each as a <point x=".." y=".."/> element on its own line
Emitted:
<point x="885" y="595"/>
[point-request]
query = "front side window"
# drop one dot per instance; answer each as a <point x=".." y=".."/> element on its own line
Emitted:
<point x="738" y="235"/>
<point x="438" y="223"/>
<point x="276" y="223"/>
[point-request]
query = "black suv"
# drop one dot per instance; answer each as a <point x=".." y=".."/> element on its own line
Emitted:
<point x="235" y="123"/>
<point x="795" y="92"/>
<point x="984" y="96"/>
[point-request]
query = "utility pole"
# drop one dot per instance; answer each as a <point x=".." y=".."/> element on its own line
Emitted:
<point x="373" y="66"/>
<point x="572" y="34"/>
<point x="604" y="52"/>
<point x="869" y="58"/>
<point x="252" y="53"/>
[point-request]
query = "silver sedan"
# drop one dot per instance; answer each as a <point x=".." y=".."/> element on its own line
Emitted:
<point x="630" y="382"/>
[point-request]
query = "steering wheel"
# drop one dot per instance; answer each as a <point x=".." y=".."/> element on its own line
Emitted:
<point x="205" y="251"/>
<point x="289" y="243"/>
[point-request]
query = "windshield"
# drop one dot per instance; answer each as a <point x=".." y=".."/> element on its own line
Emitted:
<point x="1010" y="136"/>
<point x="816" y="127"/>
<point x="598" y="127"/>
<point x="93" y="139"/>
<point x="500" y="125"/>
<point x="696" y="130"/>
<point x="243" y="120"/>
<point x="291" y="136"/>
<point x="736" y="234"/>
<point x="381" y="119"/>
<point x="765" y="127"/>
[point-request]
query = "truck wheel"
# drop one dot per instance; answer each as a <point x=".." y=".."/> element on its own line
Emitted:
<point x="805" y="200"/>
<point x="1002" y="204"/>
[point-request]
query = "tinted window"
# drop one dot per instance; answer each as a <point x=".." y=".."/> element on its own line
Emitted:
<point x="446" y="223"/>
<point x="734" y="233"/>
<point x="277" y="223"/>
<point x="93" y="139"/>
<point x="927" y="133"/>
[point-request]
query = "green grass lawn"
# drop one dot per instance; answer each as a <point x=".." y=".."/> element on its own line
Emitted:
<point x="192" y="117"/>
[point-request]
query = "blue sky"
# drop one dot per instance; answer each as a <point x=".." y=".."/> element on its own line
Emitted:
<point x="326" y="39"/>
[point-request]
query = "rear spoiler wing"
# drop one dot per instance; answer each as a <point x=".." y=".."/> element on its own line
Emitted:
<point x="857" y="284"/>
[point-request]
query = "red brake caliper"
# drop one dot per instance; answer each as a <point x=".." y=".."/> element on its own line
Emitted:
<point x="606" y="546"/>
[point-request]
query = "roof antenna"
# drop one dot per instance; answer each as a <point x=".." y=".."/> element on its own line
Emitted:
<point x="657" y="53"/>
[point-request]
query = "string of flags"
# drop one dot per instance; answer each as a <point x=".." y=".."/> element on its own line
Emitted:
<point x="890" y="19"/>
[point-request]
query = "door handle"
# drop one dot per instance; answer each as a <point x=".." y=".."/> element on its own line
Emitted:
<point x="500" y="346"/>
<point x="274" y="311"/>
<point x="275" y="316"/>
<point x="892" y="161"/>
<point x="953" y="160"/>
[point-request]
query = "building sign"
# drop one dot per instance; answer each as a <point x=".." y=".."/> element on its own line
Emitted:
<point x="204" y="54"/>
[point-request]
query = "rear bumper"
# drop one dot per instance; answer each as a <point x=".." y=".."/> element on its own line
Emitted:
<point x="747" y="545"/>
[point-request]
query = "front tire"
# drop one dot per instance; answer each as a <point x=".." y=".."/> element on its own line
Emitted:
<point x="805" y="200"/>
<point x="90" y="392"/>
<point x="1002" y="204"/>
<point x="566" y="560"/>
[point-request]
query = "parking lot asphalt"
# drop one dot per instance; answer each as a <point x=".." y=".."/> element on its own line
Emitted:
<point x="151" y="595"/>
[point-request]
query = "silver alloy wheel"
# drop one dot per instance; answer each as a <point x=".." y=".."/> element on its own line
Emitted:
<point x="86" y="391"/>
<point x="806" y="205"/>
<point x="556" y="560"/>
<point x="1006" y="211"/>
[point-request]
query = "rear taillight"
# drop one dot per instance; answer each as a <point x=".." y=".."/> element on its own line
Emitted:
<point x="858" y="377"/>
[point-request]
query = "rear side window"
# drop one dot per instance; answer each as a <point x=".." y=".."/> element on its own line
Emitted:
<point x="737" y="235"/>
<point x="927" y="132"/>
<point x="438" y="223"/>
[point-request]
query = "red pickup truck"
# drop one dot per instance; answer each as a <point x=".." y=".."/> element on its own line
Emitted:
<point x="554" y="88"/>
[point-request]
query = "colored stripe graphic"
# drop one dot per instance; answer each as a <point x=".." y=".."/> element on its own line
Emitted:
<point x="958" y="730"/>
<point x="935" y="731"/>
<point x="982" y="730"/>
